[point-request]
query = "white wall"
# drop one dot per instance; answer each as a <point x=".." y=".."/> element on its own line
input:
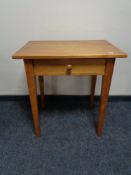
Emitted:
<point x="24" y="20"/>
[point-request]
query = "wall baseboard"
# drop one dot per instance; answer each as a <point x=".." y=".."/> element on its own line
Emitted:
<point x="64" y="97"/>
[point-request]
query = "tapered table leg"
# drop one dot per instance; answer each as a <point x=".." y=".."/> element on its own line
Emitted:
<point x="33" y="95"/>
<point x="92" y="90"/>
<point x="41" y="86"/>
<point x="106" y="82"/>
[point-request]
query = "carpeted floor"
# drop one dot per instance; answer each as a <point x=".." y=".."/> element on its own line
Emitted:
<point x="69" y="144"/>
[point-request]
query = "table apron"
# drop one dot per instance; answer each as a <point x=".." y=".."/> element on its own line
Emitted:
<point x="69" y="67"/>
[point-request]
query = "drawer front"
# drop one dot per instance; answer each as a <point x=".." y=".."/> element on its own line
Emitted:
<point x="69" y="67"/>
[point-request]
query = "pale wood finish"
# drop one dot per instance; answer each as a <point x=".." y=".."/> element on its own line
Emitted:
<point x="92" y="90"/>
<point x="106" y="82"/>
<point x="53" y="68"/>
<point x="41" y="86"/>
<point x="68" y="49"/>
<point x="33" y="95"/>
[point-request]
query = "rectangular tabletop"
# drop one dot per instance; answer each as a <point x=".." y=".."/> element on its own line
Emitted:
<point x="69" y="49"/>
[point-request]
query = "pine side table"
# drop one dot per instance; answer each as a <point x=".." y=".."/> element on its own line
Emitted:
<point x="56" y="58"/>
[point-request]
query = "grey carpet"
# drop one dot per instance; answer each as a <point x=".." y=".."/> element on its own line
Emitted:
<point x="69" y="144"/>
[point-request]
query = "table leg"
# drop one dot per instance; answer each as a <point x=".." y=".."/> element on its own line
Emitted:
<point x="41" y="86"/>
<point x="106" y="82"/>
<point x="33" y="94"/>
<point x="92" y="90"/>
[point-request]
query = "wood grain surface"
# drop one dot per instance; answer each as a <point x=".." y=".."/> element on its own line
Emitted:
<point x="68" y="49"/>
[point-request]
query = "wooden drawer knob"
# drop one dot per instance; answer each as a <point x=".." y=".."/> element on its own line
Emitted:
<point x="69" y="69"/>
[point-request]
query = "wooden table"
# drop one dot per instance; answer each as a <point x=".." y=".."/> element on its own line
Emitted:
<point x="93" y="57"/>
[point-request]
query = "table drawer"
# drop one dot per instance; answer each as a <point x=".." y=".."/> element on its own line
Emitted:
<point x="69" y="67"/>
